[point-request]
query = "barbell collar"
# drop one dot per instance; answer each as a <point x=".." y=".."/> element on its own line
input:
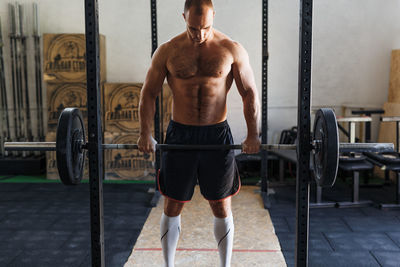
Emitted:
<point x="366" y="147"/>
<point x="30" y="146"/>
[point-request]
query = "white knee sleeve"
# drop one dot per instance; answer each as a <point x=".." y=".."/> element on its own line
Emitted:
<point x="223" y="232"/>
<point x="170" y="229"/>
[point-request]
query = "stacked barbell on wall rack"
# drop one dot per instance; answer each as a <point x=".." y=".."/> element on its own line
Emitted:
<point x="17" y="68"/>
<point x="4" y="118"/>
<point x="20" y="118"/>
<point x="38" y="74"/>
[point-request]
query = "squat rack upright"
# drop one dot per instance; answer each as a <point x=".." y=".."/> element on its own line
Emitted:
<point x="95" y="141"/>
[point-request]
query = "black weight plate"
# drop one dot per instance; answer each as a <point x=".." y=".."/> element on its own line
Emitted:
<point x="70" y="137"/>
<point x="326" y="153"/>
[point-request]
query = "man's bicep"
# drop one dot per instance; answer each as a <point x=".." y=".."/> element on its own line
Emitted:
<point x="242" y="72"/>
<point x="154" y="80"/>
<point x="156" y="74"/>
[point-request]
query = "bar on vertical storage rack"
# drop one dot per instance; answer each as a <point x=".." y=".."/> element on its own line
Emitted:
<point x="38" y="73"/>
<point x="5" y="123"/>
<point x="18" y="73"/>
<point x="24" y="71"/>
<point x="12" y="22"/>
<point x="303" y="134"/>
<point x="96" y="173"/>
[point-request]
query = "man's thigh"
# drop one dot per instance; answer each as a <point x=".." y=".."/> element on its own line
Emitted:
<point x="178" y="174"/>
<point x="218" y="175"/>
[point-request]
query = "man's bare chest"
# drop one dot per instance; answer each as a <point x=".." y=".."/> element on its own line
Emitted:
<point x="186" y="64"/>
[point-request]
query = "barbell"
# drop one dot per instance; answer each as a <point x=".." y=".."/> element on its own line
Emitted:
<point x="71" y="144"/>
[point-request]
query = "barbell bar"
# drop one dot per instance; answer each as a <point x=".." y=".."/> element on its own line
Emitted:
<point x="343" y="147"/>
<point x="70" y="147"/>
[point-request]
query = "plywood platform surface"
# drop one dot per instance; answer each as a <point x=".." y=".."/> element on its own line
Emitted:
<point x="255" y="243"/>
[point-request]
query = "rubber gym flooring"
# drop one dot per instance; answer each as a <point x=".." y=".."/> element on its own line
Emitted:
<point x="47" y="224"/>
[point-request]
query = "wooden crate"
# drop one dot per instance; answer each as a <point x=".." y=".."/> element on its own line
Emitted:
<point x="394" y="86"/>
<point x="122" y="107"/>
<point x="387" y="131"/>
<point x="64" y="58"/>
<point x="51" y="166"/>
<point x="124" y="164"/>
<point x="63" y="95"/>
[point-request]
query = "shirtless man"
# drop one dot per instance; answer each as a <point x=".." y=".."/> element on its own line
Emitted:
<point x="200" y="66"/>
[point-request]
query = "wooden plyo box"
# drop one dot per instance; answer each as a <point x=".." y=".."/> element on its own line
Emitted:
<point x="122" y="107"/>
<point x="51" y="166"/>
<point x="63" y="95"/>
<point x="124" y="164"/>
<point x="394" y="85"/>
<point x="387" y="131"/>
<point x="64" y="58"/>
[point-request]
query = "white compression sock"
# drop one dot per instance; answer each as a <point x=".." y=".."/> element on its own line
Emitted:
<point x="223" y="232"/>
<point x="170" y="229"/>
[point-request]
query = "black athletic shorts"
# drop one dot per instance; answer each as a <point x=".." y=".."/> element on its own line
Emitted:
<point x="214" y="170"/>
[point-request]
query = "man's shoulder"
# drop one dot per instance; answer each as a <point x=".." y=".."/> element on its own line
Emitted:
<point x="172" y="42"/>
<point x="227" y="42"/>
<point x="176" y="41"/>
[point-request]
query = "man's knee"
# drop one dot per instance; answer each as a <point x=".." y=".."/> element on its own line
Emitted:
<point x="221" y="209"/>
<point x="172" y="208"/>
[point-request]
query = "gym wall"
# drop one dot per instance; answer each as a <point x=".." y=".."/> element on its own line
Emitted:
<point x="353" y="40"/>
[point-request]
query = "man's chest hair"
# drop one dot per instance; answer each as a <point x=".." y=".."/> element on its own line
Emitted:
<point x="186" y="63"/>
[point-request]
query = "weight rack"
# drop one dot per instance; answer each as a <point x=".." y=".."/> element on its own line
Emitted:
<point x="304" y="122"/>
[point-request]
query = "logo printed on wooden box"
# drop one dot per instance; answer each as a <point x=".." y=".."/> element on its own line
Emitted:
<point x="127" y="163"/>
<point x="122" y="106"/>
<point x="66" y="55"/>
<point x="64" y="96"/>
<point x="64" y="58"/>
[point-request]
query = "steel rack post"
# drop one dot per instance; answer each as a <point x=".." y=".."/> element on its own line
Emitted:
<point x="264" y="105"/>
<point x="157" y="132"/>
<point x="303" y="134"/>
<point x="96" y="171"/>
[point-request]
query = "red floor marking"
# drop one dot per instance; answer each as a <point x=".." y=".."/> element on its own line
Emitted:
<point x="206" y="249"/>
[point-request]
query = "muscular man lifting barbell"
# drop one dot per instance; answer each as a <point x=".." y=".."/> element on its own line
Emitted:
<point x="200" y="66"/>
<point x="194" y="75"/>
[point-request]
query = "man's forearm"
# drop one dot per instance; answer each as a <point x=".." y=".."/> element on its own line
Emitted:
<point x="251" y="109"/>
<point x="147" y="110"/>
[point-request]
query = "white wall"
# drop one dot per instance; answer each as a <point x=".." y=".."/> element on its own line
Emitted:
<point x="351" y="58"/>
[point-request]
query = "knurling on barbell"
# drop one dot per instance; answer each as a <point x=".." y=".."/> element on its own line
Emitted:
<point x="70" y="147"/>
